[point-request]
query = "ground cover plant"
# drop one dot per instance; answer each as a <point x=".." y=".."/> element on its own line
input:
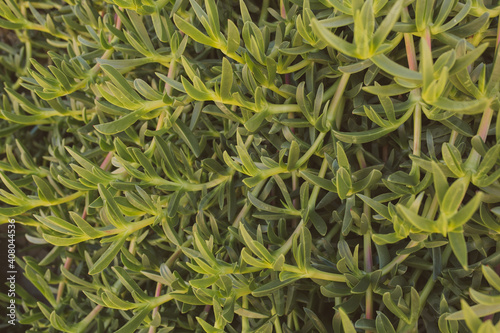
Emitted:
<point x="241" y="166"/>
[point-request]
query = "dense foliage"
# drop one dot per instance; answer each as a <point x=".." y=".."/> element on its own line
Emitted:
<point x="237" y="166"/>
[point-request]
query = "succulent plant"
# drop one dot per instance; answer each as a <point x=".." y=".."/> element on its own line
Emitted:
<point x="238" y="166"/>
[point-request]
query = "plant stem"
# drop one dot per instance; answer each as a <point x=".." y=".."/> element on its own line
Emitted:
<point x="284" y="108"/>
<point x="67" y="264"/>
<point x="245" y="325"/>
<point x="399" y="259"/>
<point x="246" y="207"/>
<point x="171" y="75"/>
<point x="485" y="123"/>
<point x="331" y="115"/>
<point x="473" y="160"/>
<point x="498" y="39"/>
<point x="295" y="186"/>
<point x="367" y="246"/>
<point x="161" y="299"/>
<point x="409" y="44"/>
<point x="433" y="208"/>
<point x="294" y="68"/>
<point x="424" y="294"/>
<point x="176" y="254"/>
<point x="152" y="329"/>
<point x="313" y="273"/>
<point x="316" y="189"/>
<point x="412" y="65"/>
<point x="203" y="315"/>
<point x="333" y="109"/>
<point x="368" y="262"/>
<point x="263" y="12"/>
<point x="288" y="244"/>
<point x="402" y="257"/>
<point x="106" y="164"/>
<point x="88" y="319"/>
<point x="311" y="151"/>
<point x="185" y="185"/>
<point x="169" y="263"/>
<point x="276" y="323"/>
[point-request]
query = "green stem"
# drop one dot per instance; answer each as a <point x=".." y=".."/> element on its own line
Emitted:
<point x="245" y="325"/>
<point x="402" y="257"/>
<point x="277" y="326"/>
<point x="333" y="109"/>
<point x="399" y="259"/>
<point x="89" y="318"/>
<point x="59" y="201"/>
<point x="330" y="91"/>
<point x="161" y="299"/>
<point x="170" y="262"/>
<point x="429" y="286"/>
<point x="311" y="151"/>
<point x="331" y="115"/>
<point x="294" y="68"/>
<point x="312" y="201"/>
<point x="295" y="180"/>
<point x="368" y="262"/>
<point x="295" y="202"/>
<point x="473" y="160"/>
<point x="313" y="273"/>
<point x="296" y="321"/>
<point x="246" y="208"/>
<point x="288" y="244"/>
<point x="183" y="185"/>
<point x="425" y="293"/>
<point x="414" y="278"/>
<point x="417" y="130"/>
<point x="38" y="27"/>
<point x="284" y="108"/>
<point x="272" y="87"/>
<point x="367" y="245"/>
<point x="333" y="231"/>
<point x="133" y="227"/>
<point x="316" y="189"/>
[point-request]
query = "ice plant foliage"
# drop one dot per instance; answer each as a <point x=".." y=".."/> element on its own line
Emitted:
<point x="240" y="166"/>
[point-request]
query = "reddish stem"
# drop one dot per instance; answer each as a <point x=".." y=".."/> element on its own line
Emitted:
<point x="106" y="164"/>
<point x="427" y="37"/>
<point x="410" y="48"/>
<point x="152" y="329"/>
<point x="67" y="265"/>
